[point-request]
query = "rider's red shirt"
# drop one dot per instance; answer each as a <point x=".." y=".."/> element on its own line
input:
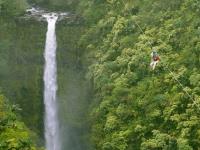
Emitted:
<point x="156" y="58"/>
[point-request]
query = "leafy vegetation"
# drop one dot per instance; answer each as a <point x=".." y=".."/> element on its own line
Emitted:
<point x="21" y="62"/>
<point x="13" y="133"/>
<point x="134" y="107"/>
<point x="21" y="75"/>
<point x="12" y="7"/>
<point x="64" y="5"/>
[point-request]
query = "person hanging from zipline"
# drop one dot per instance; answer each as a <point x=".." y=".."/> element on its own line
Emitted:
<point x="154" y="59"/>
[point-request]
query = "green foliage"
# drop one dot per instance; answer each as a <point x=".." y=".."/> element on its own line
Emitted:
<point x="13" y="133"/>
<point x="12" y="7"/>
<point x="21" y="68"/>
<point x="134" y="107"/>
<point x="56" y="4"/>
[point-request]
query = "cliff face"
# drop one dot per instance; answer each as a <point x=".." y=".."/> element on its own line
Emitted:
<point x="21" y="76"/>
<point x="21" y="71"/>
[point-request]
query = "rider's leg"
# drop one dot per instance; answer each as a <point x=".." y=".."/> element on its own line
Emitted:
<point x="151" y="64"/>
<point x="154" y="64"/>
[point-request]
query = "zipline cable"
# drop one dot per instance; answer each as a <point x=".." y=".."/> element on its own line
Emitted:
<point x="181" y="85"/>
<point x="171" y="72"/>
<point x="138" y="25"/>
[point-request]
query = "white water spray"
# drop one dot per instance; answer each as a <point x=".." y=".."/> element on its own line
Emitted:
<point x="50" y="86"/>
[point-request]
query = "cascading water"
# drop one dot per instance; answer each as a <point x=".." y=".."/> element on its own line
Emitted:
<point x="50" y="86"/>
<point x="59" y="133"/>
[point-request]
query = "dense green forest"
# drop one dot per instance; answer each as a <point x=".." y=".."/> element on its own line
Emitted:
<point x="13" y="133"/>
<point x="134" y="107"/>
<point x="20" y="79"/>
<point x="128" y="106"/>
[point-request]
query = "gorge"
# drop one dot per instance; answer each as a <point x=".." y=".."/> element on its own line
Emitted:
<point x="93" y="88"/>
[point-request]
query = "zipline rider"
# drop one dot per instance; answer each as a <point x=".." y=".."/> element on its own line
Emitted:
<point x="154" y="59"/>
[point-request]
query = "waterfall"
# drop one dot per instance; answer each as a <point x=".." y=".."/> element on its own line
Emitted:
<point x="50" y="86"/>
